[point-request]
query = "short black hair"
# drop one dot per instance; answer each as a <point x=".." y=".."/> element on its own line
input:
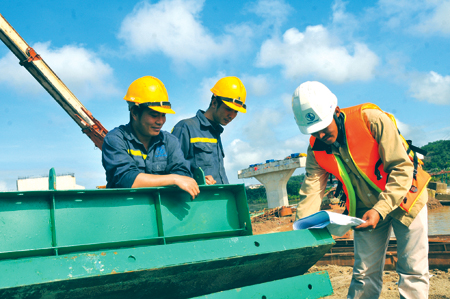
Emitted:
<point x="214" y="97"/>
<point x="138" y="110"/>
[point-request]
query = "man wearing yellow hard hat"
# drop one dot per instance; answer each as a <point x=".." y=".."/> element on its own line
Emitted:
<point x="140" y="154"/>
<point x="200" y="135"/>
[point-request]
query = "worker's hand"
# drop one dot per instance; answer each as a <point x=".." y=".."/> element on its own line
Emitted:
<point x="187" y="184"/>
<point x="371" y="217"/>
<point x="210" y="180"/>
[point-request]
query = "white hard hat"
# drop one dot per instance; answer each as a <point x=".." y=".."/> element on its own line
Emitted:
<point x="313" y="105"/>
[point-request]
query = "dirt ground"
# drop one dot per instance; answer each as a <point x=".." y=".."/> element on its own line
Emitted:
<point x="341" y="276"/>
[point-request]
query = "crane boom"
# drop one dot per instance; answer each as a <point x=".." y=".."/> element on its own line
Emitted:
<point x="37" y="67"/>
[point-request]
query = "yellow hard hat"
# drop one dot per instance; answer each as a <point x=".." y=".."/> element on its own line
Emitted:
<point x="232" y="92"/>
<point x="151" y="92"/>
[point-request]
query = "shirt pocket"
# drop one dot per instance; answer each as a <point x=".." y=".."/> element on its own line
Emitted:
<point x="159" y="167"/>
<point x="139" y="162"/>
<point x="203" y="153"/>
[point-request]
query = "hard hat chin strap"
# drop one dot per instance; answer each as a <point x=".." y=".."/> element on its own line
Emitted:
<point x="159" y="104"/>
<point x="237" y="101"/>
<point x="340" y="123"/>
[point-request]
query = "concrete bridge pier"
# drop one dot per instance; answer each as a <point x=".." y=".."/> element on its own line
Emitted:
<point x="275" y="184"/>
<point x="274" y="175"/>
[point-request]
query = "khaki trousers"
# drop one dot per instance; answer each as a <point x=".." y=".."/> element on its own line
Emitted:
<point x="412" y="253"/>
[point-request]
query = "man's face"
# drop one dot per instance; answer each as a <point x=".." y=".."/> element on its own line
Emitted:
<point x="149" y="124"/>
<point x="329" y="134"/>
<point x="223" y="114"/>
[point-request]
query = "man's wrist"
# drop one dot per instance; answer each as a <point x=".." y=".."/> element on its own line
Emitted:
<point x="379" y="213"/>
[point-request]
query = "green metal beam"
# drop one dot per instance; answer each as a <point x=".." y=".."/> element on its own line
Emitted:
<point x="308" y="286"/>
<point x="42" y="222"/>
<point x="136" y="243"/>
<point x="180" y="270"/>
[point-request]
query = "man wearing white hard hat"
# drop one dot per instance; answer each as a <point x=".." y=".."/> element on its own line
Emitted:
<point x="381" y="180"/>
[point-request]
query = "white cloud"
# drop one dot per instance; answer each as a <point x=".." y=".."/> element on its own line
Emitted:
<point x="431" y="87"/>
<point x="399" y="12"/>
<point x="173" y="119"/>
<point x="417" y="16"/>
<point x="287" y="102"/>
<point x="244" y="153"/>
<point x="205" y="88"/>
<point x="256" y="85"/>
<point x="421" y="134"/>
<point x="173" y="27"/>
<point x="16" y="76"/>
<point x="274" y="12"/>
<point x="343" y="23"/>
<point x="315" y="52"/>
<point x="260" y="131"/>
<point x="261" y="139"/>
<point x="437" y="20"/>
<point x="405" y="129"/>
<point x="81" y="70"/>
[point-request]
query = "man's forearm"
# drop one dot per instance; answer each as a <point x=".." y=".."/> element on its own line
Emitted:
<point x="153" y="180"/>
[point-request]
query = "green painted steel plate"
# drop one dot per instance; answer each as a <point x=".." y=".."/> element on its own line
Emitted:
<point x="178" y="270"/>
<point x="60" y="222"/>
<point x="308" y="286"/>
<point x="137" y="243"/>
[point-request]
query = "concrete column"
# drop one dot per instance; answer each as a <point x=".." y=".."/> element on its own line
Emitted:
<point x="275" y="184"/>
<point x="274" y="176"/>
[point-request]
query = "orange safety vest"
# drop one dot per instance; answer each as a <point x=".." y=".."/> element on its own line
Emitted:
<point x="363" y="150"/>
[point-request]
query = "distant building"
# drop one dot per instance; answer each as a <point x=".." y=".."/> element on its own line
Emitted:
<point x="63" y="182"/>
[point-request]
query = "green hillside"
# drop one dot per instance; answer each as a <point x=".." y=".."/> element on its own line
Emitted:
<point x="438" y="157"/>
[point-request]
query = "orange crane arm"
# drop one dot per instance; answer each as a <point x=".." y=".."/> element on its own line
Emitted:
<point x="37" y="67"/>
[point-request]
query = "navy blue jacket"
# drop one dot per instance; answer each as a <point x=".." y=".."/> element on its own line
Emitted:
<point x="201" y="145"/>
<point x="124" y="157"/>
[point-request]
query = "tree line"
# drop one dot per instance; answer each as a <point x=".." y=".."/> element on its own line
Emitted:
<point x="258" y="195"/>
<point x="438" y="156"/>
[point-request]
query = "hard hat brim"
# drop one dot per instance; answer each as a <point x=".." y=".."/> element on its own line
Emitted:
<point x="307" y="130"/>
<point x="162" y="110"/>
<point x="235" y="107"/>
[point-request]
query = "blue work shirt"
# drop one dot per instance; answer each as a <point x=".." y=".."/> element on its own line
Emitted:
<point x="201" y="145"/>
<point x="124" y="157"/>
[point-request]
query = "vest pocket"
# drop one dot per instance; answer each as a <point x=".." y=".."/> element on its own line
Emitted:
<point x="203" y="153"/>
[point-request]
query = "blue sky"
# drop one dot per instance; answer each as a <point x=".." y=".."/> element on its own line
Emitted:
<point x="391" y="53"/>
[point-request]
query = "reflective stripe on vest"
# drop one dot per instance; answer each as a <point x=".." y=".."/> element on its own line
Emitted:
<point x="203" y="139"/>
<point x="333" y="164"/>
<point x="137" y="153"/>
<point x="363" y="150"/>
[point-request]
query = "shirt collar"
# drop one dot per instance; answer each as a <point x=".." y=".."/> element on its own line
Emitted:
<point x="130" y="135"/>
<point x="207" y="123"/>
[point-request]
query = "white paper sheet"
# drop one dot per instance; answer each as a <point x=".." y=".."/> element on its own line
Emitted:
<point x="337" y="224"/>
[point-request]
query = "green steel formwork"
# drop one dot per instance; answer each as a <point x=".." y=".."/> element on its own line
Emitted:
<point x="310" y="286"/>
<point x="142" y="243"/>
<point x="60" y="222"/>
